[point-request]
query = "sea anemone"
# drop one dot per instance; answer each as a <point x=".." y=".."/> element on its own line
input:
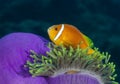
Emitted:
<point x="23" y="60"/>
<point x="73" y="66"/>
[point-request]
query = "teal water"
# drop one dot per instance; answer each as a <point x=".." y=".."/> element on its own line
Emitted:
<point x="98" y="19"/>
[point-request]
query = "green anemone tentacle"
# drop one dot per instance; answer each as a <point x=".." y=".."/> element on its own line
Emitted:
<point x="77" y="59"/>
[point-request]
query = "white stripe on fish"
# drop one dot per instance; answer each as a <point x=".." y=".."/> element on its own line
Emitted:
<point x="59" y="33"/>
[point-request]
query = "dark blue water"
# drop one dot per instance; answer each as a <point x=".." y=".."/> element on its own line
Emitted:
<point x="98" y="19"/>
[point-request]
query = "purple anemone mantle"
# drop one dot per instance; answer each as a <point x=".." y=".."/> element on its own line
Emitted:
<point x="15" y="51"/>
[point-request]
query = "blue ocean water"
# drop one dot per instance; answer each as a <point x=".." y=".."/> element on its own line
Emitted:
<point x="98" y="19"/>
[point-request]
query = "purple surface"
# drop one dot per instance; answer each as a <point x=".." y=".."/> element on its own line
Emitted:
<point x="73" y="79"/>
<point x="14" y="51"/>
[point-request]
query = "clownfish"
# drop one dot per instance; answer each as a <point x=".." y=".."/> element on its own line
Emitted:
<point x="69" y="35"/>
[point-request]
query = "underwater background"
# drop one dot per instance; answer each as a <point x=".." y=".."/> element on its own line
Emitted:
<point x="98" y="19"/>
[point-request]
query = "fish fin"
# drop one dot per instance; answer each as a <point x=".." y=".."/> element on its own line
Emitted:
<point x="66" y="43"/>
<point x="88" y="41"/>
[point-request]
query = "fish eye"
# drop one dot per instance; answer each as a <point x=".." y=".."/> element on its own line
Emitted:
<point x="56" y="28"/>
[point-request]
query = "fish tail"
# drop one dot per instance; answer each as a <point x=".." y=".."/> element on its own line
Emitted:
<point x="91" y="51"/>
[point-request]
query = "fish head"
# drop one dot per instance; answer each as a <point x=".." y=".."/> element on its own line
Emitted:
<point x="55" y="31"/>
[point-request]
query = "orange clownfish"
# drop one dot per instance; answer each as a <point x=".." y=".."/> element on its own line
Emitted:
<point x="69" y="35"/>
